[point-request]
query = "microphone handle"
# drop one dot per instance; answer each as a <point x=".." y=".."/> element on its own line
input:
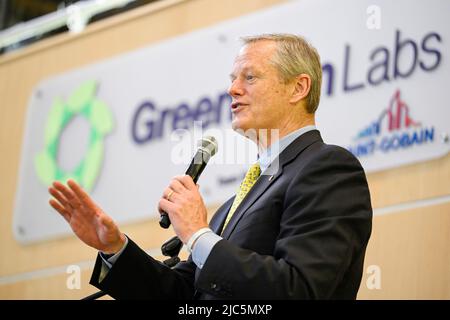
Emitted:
<point x="194" y="171"/>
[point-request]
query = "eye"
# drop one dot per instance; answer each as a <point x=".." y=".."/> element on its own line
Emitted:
<point x="249" y="77"/>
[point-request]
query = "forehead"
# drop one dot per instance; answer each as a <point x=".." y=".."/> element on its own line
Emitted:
<point x="256" y="54"/>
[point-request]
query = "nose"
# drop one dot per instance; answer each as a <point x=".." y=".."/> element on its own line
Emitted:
<point x="235" y="89"/>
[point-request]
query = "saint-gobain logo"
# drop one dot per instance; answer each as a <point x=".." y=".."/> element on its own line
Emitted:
<point x="395" y="129"/>
<point x="81" y="102"/>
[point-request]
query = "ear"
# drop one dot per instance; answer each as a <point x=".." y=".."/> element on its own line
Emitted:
<point x="302" y="85"/>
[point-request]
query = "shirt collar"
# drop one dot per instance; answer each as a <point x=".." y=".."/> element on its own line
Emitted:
<point x="267" y="156"/>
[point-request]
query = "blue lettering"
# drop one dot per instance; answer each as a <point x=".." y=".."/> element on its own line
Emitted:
<point x="363" y="149"/>
<point x="386" y="63"/>
<point x="404" y="141"/>
<point x="148" y="123"/>
<point x="384" y="144"/>
<point x="383" y="65"/>
<point x="399" y="46"/>
<point x="395" y="142"/>
<point x="431" y="51"/>
<point x="161" y="124"/>
<point x="372" y="130"/>
<point x="224" y="100"/>
<point x="348" y="87"/>
<point x="145" y="110"/>
<point x="429" y="135"/>
<point x="205" y="112"/>
<point x="328" y="69"/>
<point x="182" y="117"/>
<point x="415" y="139"/>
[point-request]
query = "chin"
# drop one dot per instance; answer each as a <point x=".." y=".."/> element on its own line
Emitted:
<point x="237" y="125"/>
<point x="245" y="131"/>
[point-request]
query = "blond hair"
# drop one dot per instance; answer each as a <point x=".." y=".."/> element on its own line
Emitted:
<point x="293" y="57"/>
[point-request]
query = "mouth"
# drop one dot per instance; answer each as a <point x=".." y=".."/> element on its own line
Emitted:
<point x="236" y="106"/>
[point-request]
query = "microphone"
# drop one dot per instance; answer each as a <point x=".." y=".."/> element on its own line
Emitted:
<point x="207" y="147"/>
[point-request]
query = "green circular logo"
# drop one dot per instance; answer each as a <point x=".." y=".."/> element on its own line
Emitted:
<point x="81" y="102"/>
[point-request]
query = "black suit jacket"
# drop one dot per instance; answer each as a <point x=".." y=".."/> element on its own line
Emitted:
<point x="299" y="234"/>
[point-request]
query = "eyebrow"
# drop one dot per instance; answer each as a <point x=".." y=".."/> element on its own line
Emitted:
<point x="245" y="69"/>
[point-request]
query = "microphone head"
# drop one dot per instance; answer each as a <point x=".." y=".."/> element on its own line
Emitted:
<point x="208" y="144"/>
<point x="207" y="147"/>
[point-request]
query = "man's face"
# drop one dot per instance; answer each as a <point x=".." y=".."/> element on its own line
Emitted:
<point x="260" y="97"/>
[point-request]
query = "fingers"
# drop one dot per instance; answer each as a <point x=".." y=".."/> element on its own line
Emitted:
<point x="169" y="194"/>
<point x="176" y="192"/>
<point x="65" y="213"/>
<point x="174" y="189"/>
<point x="81" y="194"/>
<point x="186" y="181"/>
<point x="179" y="187"/>
<point x="165" y="205"/>
<point x="61" y="199"/>
<point x="72" y="199"/>
<point x="176" y="185"/>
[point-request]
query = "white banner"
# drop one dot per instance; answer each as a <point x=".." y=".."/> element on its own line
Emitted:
<point x="109" y="125"/>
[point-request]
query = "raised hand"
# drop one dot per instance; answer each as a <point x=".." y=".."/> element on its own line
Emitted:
<point x="87" y="220"/>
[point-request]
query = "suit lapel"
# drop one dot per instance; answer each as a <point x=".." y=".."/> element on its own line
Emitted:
<point x="255" y="192"/>
<point x="217" y="221"/>
<point x="289" y="154"/>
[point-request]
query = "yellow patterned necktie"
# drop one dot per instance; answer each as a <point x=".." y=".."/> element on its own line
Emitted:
<point x="252" y="175"/>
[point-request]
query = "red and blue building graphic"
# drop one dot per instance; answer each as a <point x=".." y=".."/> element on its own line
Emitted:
<point x="394" y="129"/>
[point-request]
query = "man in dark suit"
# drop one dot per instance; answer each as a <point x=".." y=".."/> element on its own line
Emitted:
<point x="298" y="226"/>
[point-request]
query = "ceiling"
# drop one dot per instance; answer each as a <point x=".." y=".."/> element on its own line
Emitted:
<point x="13" y="12"/>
